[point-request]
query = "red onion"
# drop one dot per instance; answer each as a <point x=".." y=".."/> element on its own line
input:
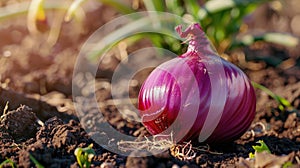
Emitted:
<point x="197" y="96"/>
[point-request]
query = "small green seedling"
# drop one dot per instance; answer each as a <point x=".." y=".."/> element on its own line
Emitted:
<point x="8" y="161"/>
<point x="263" y="157"/>
<point x="37" y="164"/>
<point x="259" y="148"/>
<point x="283" y="103"/>
<point x="84" y="156"/>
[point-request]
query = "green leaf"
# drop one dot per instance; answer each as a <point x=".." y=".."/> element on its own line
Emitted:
<point x="251" y="155"/>
<point x="259" y="148"/>
<point x="8" y="161"/>
<point x="84" y="156"/>
<point x="280" y="100"/>
<point x="262" y="147"/>
<point x="37" y="164"/>
<point x="283" y="101"/>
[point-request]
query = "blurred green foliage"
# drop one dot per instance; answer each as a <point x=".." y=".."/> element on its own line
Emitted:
<point x="220" y="19"/>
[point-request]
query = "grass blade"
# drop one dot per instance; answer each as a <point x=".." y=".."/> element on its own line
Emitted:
<point x="8" y="161"/>
<point x="37" y="164"/>
<point x="280" y="100"/>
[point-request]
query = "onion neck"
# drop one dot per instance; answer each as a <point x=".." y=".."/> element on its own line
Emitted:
<point x="198" y="42"/>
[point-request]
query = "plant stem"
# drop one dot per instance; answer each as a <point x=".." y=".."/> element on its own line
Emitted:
<point x="282" y="101"/>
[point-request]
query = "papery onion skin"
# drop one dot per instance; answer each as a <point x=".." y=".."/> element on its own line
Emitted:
<point x="168" y="88"/>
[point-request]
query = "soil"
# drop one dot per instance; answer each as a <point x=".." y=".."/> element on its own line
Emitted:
<point x="40" y="120"/>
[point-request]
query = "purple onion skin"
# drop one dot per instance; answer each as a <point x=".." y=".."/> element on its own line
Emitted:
<point x="161" y="98"/>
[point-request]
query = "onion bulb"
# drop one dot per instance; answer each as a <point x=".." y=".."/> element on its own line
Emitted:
<point x="197" y="96"/>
